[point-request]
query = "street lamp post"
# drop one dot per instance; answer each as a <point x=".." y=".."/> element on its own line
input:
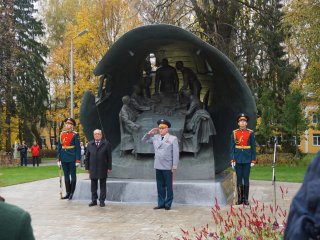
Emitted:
<point x="71" y="72"/>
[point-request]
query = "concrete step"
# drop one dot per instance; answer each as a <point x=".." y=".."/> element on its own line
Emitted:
<point x="194" y="192"/>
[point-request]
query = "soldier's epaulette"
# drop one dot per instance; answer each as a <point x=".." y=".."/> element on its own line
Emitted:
<point x="236" y="130"/>
<point x="75" y="132"/>
<point x="249" y="130"/>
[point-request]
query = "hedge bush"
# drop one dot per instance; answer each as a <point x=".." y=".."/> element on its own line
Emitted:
<point x="48" y="153"/>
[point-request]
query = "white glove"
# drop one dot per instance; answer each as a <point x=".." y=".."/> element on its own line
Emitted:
<point x="252" y="164"/>
<point x="233" y="164"/>
<point x="77" y="164"/>
<point x="59" y="163"/>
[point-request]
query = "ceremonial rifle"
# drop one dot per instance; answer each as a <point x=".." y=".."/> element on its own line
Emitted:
<point x="60" y="179"/>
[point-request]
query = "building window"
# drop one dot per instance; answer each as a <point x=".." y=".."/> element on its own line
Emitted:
<point x="316" y="139"/>
<point x="297" y="140"/>
<point x="314" y="118"/>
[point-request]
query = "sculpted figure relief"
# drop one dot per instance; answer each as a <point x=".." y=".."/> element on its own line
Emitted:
<point x="127" y="118"/>
<point x="138" y="101"/>
<point x="147" y="79"/>
<point x="167" y="78"/>
<point x="190" y="80"/>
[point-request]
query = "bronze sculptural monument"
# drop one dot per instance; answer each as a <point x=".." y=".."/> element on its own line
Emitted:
<point x="202" y="120"/>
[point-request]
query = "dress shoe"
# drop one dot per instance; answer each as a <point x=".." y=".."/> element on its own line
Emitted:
<point x="70" y="196"/>
<point x="102" y="204"/>
<point x="167" y="208"/>
<point x="66" y="196"/>
<point x="157" y="207"/>
<point x="93" y="203"/>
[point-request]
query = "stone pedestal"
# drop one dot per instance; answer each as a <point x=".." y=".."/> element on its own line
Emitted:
<point x="193" y="192"/>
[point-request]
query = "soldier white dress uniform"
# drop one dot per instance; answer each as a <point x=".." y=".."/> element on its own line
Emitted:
<point x="166" y="160"/>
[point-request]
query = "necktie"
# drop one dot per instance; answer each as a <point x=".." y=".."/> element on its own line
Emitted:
<point x="97" y="143"/>
<point x="162" y="138"/>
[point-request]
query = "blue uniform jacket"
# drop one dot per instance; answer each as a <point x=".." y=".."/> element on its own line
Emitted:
<point x="243" y="146"/>
<point x="69" y="149"/>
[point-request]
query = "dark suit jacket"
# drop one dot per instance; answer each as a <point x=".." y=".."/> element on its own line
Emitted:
<point x="304" y="216"/>
<point x="98" y="159"/>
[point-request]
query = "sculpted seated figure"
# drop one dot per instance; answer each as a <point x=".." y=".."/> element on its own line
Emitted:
<point x="189" y="80"/>
<point x="139" y="102"/>
<point x="199" y="127"/>
<point x="127" y="118"/>
<point x="167" y="78"/>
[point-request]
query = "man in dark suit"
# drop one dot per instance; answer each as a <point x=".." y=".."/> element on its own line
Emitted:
<point x="98" y="162"/>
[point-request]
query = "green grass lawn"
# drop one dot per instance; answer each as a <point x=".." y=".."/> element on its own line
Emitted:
<point x="16" y="175"/>
<point x="283" y="173"/>
<point x="48" y="159"/>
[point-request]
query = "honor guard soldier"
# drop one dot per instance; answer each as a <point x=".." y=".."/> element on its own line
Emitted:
<point x="243" y="156"/>
<point x="166" y="158"/>
<point x="69" y="155"/>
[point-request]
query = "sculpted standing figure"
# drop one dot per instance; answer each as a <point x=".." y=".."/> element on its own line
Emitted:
<point x="243" y="156"/>
<point x="147" y="79"/>
<point x="167" y="77"/>
<point x="69" y="154"/>
<point x="189" y="80"/>
<point x="166" y="160"/>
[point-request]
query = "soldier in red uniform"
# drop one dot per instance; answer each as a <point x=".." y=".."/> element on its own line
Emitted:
<point x="243" y="156"/>
<point x="69" y="154"/>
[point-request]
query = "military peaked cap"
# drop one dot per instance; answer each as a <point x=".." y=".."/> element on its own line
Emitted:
<point x="70" y="120"/>
<point x="164" y="121"/>
<point x="242" y="116"/>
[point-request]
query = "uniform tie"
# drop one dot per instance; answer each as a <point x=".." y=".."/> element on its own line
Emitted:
<point x="97" y="143"/>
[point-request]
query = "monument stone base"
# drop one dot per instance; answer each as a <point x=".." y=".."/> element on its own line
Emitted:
<point x="193" y="192"/>
<point x="141" y="166"/>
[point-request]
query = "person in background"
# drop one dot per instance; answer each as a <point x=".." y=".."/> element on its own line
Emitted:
<point x="35" y="151"/>
<point x="243" y="156"/>
<point x="83" y="153"/>
<point x="166" y="158"/>
<point x="15" y="223"/>
<point x="99" y="164"/>
<point x="23" y="149"/>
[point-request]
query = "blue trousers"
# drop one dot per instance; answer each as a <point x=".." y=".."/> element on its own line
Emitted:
<point x="23" y="159"/>
<point x="243" y="172"/>
<point x="164" y="187"/>
<point x="69" y="170"/>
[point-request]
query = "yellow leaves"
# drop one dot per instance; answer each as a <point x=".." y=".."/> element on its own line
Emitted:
<point x="106" y="20"/>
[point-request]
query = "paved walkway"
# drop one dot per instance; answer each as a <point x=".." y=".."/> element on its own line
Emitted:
<point x="53" y="218"/>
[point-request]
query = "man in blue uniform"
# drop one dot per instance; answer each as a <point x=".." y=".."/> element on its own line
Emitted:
<point x="243" y="156"/>
<point x="69" y="154"/>
<point x="166" y="158"/>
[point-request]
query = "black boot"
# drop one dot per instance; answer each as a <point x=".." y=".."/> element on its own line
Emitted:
<point x="68" y="189"/>
<point x="246" y="195"/>
<point x="73" y="188"/>
<point x="240" y="194"/>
